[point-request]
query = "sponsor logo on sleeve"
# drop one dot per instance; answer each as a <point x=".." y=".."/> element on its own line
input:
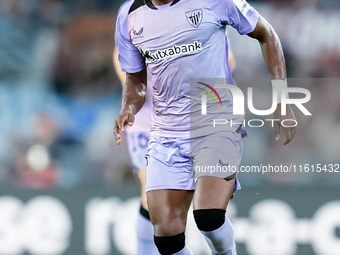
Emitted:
<point x="242" y="5"/>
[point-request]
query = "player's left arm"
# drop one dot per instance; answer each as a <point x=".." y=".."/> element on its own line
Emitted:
<point x="133" y="98"/>
<point x="275" y="61"/>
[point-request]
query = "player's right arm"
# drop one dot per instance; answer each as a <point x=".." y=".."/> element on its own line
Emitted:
<point x="133" y="98"/>
<point x="132" y="62"/>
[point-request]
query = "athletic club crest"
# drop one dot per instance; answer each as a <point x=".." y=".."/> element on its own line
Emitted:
<point x="194" y="17"/>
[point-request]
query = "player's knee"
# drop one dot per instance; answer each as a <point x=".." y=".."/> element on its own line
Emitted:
<point x="167" y="245"/>
<point x="169" y="227"/>
<point x="169" y="222"/>
<point x="209" y="219"/>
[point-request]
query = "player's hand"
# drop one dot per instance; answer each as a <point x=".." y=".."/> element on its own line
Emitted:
<point x="288" y="131"/>
<point x="123" y="119"/>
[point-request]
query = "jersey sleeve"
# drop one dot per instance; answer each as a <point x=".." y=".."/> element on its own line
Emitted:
<point x="237" y="13"/>
<point x="130" y="59"/>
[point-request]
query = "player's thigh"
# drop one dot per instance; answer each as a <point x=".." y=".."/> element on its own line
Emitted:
<point x="213" y="193"/>
<point x="216" y="159"/>
<point x="169" y="184"/>
<point x="168" y="210"/>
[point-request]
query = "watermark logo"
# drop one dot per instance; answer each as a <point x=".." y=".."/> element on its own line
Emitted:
<point x="239" y="99"/>
<point x="204" y="98"/>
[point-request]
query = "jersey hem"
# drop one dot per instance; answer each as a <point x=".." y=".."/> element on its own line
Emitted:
<point x="132" y="70"/>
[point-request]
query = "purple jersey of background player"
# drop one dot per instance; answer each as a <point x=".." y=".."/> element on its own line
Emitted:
<point x="175" y="48"/>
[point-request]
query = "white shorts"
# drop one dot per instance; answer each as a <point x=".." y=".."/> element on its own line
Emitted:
<point x="137" y="144"/>
<point x="176" y="163"/>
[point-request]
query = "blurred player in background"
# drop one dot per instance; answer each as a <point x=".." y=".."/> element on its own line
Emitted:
<point x="137" y="139"/>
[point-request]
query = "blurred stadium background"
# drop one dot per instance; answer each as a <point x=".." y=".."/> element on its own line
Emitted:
<point x="66" y="188"/>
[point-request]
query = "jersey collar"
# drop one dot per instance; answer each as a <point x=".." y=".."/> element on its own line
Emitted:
<point x="150" y="4"/>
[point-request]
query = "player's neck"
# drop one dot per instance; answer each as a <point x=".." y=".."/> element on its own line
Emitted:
<point x="161" y="2"/>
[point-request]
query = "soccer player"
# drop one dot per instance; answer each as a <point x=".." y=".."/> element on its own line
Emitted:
<point x="137" y="139"/>
<point x="172" y="42"/>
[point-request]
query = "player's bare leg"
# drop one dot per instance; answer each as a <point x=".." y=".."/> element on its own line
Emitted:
<point x="168" y="211"/>
<point x="145" y="242"/>
<point x="211" y="199"/>
<point x="141" y="177"/>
